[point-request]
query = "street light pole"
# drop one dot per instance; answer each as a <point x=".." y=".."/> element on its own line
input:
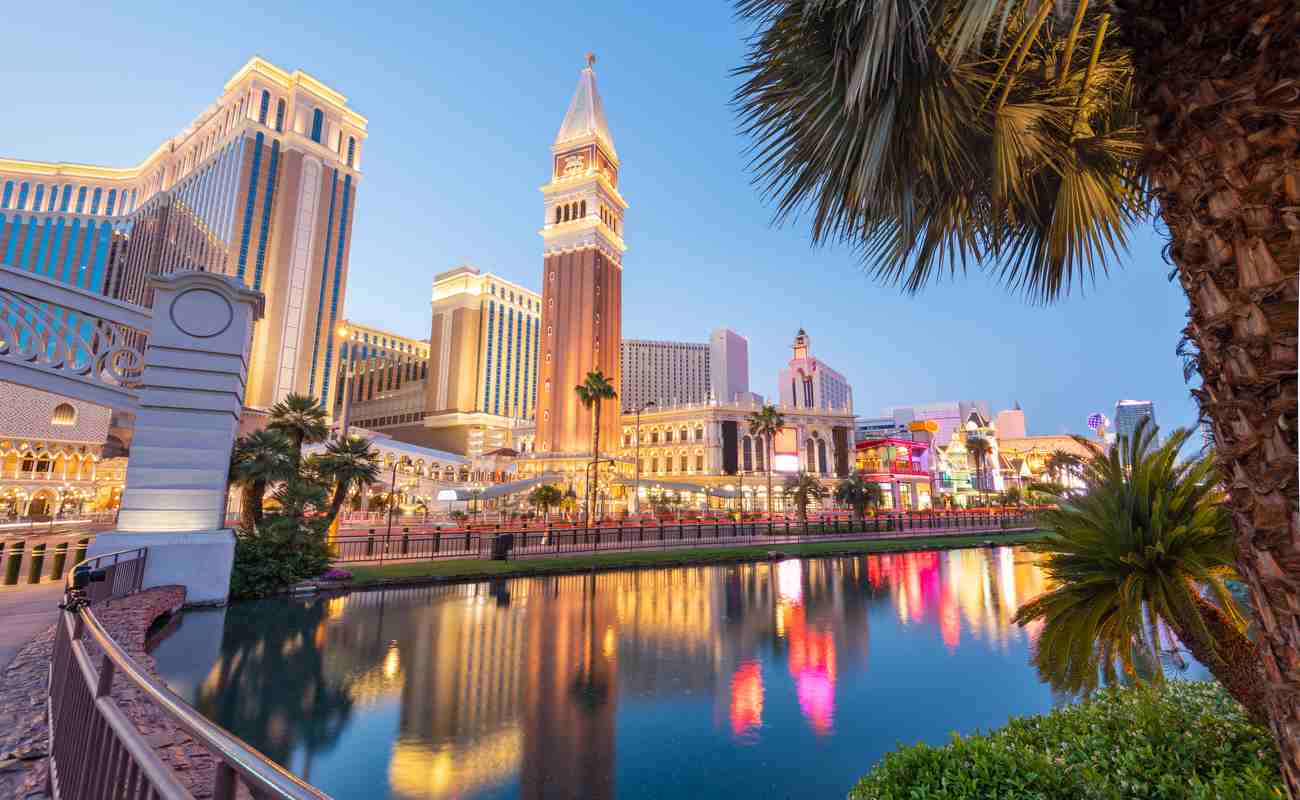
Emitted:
<point x="345" y="419"/>
<point x="636" y="489"/>
<point x="392" y="496"/>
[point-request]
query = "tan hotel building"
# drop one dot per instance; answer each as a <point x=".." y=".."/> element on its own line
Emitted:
<point x="262" y="185"/>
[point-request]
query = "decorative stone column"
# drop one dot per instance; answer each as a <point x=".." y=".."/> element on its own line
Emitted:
<point x="191" y="395"/>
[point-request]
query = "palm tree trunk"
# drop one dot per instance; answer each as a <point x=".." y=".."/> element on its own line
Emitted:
<point x="1215" y="85"/>
<point x="1230" y="656"/>
<point x="256" y="491"/>
<point x="336" y="502"/>
<point x="595" y="457"/>
<point x="247" y="518"/>
<point x="767" y="445"/>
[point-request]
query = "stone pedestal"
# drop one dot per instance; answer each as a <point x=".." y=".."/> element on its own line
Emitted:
<point x="191" y="394"/>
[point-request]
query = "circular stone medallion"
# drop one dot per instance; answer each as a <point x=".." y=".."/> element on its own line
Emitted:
<point x="202" y="313"/>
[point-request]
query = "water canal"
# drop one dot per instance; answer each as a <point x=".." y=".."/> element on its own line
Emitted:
<point x="785" y="679"/>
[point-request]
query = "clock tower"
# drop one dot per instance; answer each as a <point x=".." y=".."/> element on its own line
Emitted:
<point x="582" y="286"/>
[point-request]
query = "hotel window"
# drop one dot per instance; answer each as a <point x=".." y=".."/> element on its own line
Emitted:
<point x="8" y="195"/>
<point x="681" y="464"/>
<point x="747" y="454"/>
<point x="22" y="195"/>
<point x="94" y="200"/>
<point x="558" y="212"/>
<point x="654" y="465"/>
<point x="36" y="201"/>
<point x="699" y="462"/>
<point x="112" y="200"/>
<point x="81" y="200"/>
<point x="317" y="121"/>
<point x="265" y="107"/>
<point x="279" y="115"/>
<point x="668" y="435"/>
<point x="582" y="209"/>
<point x="352" y="150"/>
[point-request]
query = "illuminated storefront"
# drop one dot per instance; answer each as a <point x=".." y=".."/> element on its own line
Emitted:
<point x="896" y="466"/>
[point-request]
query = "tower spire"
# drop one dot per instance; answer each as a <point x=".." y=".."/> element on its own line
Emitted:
<point x="586" y="116"/>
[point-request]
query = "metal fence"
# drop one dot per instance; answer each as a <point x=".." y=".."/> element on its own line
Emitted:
<point x="95" y="749"/>
<point x="411" y="543"/>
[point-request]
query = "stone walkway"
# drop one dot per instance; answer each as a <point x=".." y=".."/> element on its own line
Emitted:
<point x="24" y="612"/>
<point x="23" y="691"/>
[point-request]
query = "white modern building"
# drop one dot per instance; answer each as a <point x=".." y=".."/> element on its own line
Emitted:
<point x="808" y="382"/>
<point x="676" y="373"/>
<point x="1128" y="413"/>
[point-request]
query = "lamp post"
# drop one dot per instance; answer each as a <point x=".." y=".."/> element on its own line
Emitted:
<point x="636" y="489"/>
<point x="392" y="500"/>
<point x="345" y="418"/>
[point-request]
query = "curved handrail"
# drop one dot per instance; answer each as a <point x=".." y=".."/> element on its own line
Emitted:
<point x="262" y="776"/>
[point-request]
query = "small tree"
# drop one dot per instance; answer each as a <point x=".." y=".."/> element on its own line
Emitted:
<point x="258" y="460"/>
<point x="802" y="490"/>
<point x="349" y="463"/>
<point x="764" y="424"/>
<point x="301" y="420"/>
<point x="858" y="493"/>
<point x="545" y="497"/>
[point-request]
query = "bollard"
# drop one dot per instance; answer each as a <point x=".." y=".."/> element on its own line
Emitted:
<point x="406" y="540"/>
<point x="14" y="563"/>
<point x="370" y="542"/>
<point x="36" y="563"/>
<point x="60" y="560"/>
<point x="79" y="555"/>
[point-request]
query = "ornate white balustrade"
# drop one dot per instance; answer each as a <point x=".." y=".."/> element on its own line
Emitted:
<point x="70" y="341"/>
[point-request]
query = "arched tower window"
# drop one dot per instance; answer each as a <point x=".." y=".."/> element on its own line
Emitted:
<point x="317" y="122"/>
<point x="64" y="414"/>
<point x="279" y="115"/>
<point x="821" y="456"/>
<point x="747" y="454"/>
<point x="582" y="209"/>
<point x="559" y="212"/>
<point x="265" y="107"/>
<point x="566" y="213"/>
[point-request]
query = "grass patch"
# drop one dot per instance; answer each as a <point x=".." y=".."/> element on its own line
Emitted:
<point x="475" y="568"/>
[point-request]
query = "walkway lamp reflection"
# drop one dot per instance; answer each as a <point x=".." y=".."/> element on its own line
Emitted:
<point x="636" y="492"/>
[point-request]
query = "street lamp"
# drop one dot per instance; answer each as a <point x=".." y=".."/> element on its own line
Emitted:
<point x="636" y="491"/>
<point x="345" y="418"/>
<point x="392" y="501"/>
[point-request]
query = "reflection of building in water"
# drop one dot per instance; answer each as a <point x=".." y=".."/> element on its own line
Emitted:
<point x="986" y="586"/>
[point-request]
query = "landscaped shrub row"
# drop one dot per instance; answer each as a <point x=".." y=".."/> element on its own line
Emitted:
<point x="1183" y="740"/>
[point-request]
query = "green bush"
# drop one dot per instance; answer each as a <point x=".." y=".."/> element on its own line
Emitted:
<point x="1182" y="740"/>
<point x="281" y="553"/>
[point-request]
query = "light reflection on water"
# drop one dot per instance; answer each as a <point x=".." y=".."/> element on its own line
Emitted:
<point x="773" y="679"/>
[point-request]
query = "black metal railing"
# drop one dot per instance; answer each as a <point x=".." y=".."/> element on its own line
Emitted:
<point x="411" y="543"/>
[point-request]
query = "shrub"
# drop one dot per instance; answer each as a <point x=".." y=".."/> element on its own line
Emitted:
<point x="281" y="553"/>
<point x="1182" y="740"/>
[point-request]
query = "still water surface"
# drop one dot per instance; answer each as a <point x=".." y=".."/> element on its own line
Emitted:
<point x="784" y="680"/>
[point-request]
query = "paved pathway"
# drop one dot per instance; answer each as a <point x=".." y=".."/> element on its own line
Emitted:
<point x="24" y="612"/>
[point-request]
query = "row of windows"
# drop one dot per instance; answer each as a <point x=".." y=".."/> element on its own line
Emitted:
<point x="349" y="152"/>
<point x="527" y="302"/>
<point x="651" y="465"/>
<point x="667" y="436"/>
<point x="394" y="419"/>
<point x="21" y="196"/>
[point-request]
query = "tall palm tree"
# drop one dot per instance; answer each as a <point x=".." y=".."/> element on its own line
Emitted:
<point x="764" y="424"/>
<point x="591" y="391"/>
<point x="302" y="421"/>
<point x="1025" y="138"/>
<point x="349" y="463"/>
<point x="258" y="460"/>
<point x="1061" y="464"/>
<point x="857" y="492"/>
<point x="802" y="489"/>
<point x="1141" y="547"/>
<point x="978" y="447"/>
<point x="546" y="497"/>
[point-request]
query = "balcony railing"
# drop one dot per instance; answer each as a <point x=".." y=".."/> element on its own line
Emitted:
<point x="96" y="751"/>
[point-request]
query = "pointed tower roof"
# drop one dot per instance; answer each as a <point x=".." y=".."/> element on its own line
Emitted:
<point x="586" y="117"/>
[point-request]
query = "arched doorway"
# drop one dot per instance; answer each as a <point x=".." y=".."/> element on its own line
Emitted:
<point x="41" y="505"/>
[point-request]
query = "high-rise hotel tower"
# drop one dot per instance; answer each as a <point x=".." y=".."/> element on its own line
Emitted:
<point x="262" y="185"/>
<point x="582" y="287"/>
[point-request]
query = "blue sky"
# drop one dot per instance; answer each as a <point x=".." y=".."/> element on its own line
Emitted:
<point x="463" y="102"/>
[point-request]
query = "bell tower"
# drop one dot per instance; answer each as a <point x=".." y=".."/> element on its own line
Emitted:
<point x="582" y="266"/>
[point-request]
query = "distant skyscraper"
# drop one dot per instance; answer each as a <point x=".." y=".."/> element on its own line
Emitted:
<point x="807" y="382"/>
<point x="261" y="186"/>
<point x="670" y="373"/>
<point x="1129" y="412"/>
<point x="729" y="366"/>
<point x="1010" y="423"/>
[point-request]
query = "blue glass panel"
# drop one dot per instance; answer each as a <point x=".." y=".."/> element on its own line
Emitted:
<point x="81" y="200"/>
<point x="40" y="195"/>
<point x="279" y="115"/>
<point x="99" y="262"/>
<point x="8" y="195"/>
<point x="70" y="248"/>
<point x="266" y="215"/>
<point x="54" y="197"/>
<point x="132" y="206"/>
<point x="320" y="302"/>
<point x="25" y="249"/>
<point x="39" y="264"/>
<point x="248" y="206"/>
<point x="352" y="150"/>
<point x="266" y="106"/>
<point x="14" y="231"/>
<point x="22" y="195"/>
<point x="112" y="198"/>
<point x="67" y="197"/>
<point x="94" y="200"/>
<point x="338" y="280"/>
<point x="317" y="121"/>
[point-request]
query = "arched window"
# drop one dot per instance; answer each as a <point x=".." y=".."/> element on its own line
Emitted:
<point x="810" y="455"/>
<point x="64" y="414"/>
<point x="279" y="115"/>
<point x="582" y="209"/>
<point x="821" y="456"/>
<point x="566" y="213"/>
<point x="352" y="150"/>
<point x="747" y="454"/>
<point x="317" y="122"/>
<point x="558" y="213"/>
<point x="762" y="454"/>
<point x="264" y="108"/>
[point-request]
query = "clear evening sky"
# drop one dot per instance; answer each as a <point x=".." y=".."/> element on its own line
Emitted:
<point x="463" y="102"/>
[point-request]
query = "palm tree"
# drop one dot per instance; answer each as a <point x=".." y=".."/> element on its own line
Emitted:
<point x="978" y="447"/>
<point x="802" y="489"/>
<point x="302" y="421"/>
<point x="764" y="424"/>
<point x="258" y="460"/>
<point x="349" y="463"/>
<point x="857" y="492"/>
<point x="591" y="391"/>
<point x="1138" y="548"/>
<point x="546" y="497"/>
<point x="1025" y="138"/>
<point x="1061" y="464"/>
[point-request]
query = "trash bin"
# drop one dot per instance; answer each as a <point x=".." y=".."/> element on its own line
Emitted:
<point x="502" y="544"/>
